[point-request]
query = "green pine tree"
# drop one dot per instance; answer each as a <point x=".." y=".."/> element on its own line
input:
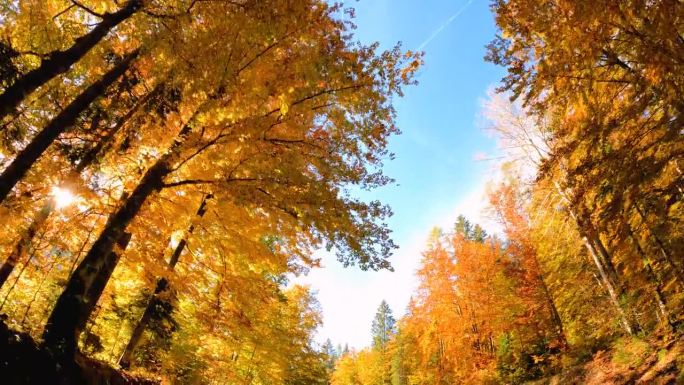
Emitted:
<point x="384" y="326"/>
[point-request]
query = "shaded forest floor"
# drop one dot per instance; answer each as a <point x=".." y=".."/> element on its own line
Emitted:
<point x="629" y="361"/>
<point x="23" y="361"/>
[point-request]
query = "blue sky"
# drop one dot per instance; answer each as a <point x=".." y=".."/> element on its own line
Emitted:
<point x="436" y="169"/>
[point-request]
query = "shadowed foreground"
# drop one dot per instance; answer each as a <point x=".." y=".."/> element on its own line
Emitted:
<point x="22" y="361"/>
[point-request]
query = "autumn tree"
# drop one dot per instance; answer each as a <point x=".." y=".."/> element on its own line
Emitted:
<point x="610" y="107"/>
<point x="285" y="127"/>
<point x="123" y="117"/>
<point x="346" y="371"/>
<point x="507" y="204"/>
<point x="59" y="61"/>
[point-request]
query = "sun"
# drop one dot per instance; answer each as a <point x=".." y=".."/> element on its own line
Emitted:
<point x="63" y="197"/>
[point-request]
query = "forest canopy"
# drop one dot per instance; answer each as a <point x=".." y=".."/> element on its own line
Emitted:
<point x="588" y="121"/>
<point x="167" y="167"/>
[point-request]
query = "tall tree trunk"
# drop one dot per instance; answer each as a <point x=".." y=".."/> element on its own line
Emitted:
<point x="97" y="287"/>
<point x="602" y="254"/>
<point x="603" y="263"/>
<point x="550" y="303"/>
<point x="60" y="61"/>
<point x="24" y="242"/>
<point x="153" y="304"/>
<point x="65" y="323"/>
<point x="155" y="300"/>
<point x="653" y="277"/>
<point x="604" y="258"/>
<point x="16" y="280"/>
<point x="610" y="287"/>
<point x="25" y="159"/>
<point x="676" y="270"/>
<point x="555" y="316"/>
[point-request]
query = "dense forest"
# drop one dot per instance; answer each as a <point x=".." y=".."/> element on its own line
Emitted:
<point x="167" y="167"/>
<point x="589" y="124"/>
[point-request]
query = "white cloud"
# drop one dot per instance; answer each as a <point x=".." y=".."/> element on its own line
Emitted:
<point x="349" y="297"/>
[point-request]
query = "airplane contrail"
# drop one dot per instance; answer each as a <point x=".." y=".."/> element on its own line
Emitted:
<point x="444" y="25"/>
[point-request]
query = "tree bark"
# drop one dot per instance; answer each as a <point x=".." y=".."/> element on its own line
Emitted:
<point x="555" y="316"/>
<point x="24" y="243"/>
<point x="601" y="259"/>
<point x="676" y="270"/>
<point x="25" y="159"/>
<point x="60" y="61"/>
<point x="96" y="289"/>
<point x="155" y="300"/>
<point x="64" y="324"/>
<point x="610" y="287"/>
<point x="653" y="277"/>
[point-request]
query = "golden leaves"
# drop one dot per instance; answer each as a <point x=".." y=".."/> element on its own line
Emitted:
<point x="272" y="130"/>
<point x="283" y="102"/>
